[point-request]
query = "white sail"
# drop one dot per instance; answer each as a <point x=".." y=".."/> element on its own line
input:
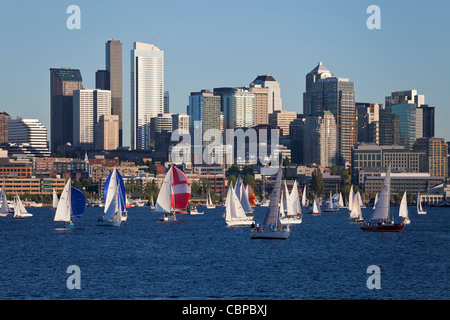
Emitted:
<point x="20" y="206"/>
<point x="375" y="202"/>
<point x="63" y="210"/>
<point x="351" y="196"/>
<point x="330" y="204"/>
<point x="4" y="207"/>
<point x="238" y="211"/>
<point x="341" y="200"/>
<point x="295" y="199"/>
<point x="111" y="197"/>
<point x="403" y="213"/>
<point x="228" y="208"/>
<point x="355" y="212"/>
<point x="245" y="203"/>
<point x="381" y="211"/>
<point x="55" y="199"/>
<point x="290" y="200"/>
<point x="282" y="206"/>
<point x="165" y="194"/>
<point x="304" y="197"/>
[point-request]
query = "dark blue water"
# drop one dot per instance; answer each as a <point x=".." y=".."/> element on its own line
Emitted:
<point x="326" y="257"/>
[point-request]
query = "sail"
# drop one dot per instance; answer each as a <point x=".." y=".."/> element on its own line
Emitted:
<point x="244" y="200"/>
<point x="64" y="208"/>
<point x="165" y="194"/>
<point x="272" y="210"/>
<point x="330" y="204"/>
<point x="111" y="197"/>
<point x="316" y="208"/>
<point x="5" y="207"/>
<point x="78" y="202"/>
<point x="251" y="195"/>
<point x="341" y="200"/>
<point x="419" y="202"/>
<point x="375" y="202"/>
<point x="351" y="196"/>
<point x="181" y="190"/>
<point x="19" y="205"/>
<point x="282" y="205"/>
<point x="295" y="199"/>
<point x="55" y="199"/>
<point x="355" y="212"/>
<point x="403" y="207"/>
<point x="119" y="181"/>
<point x="228" y="208"/>
<point x="289" y="201"/>
<point x="304" y="197"/>
<point x="238" y="212"/>
<point x="381" y="211"/>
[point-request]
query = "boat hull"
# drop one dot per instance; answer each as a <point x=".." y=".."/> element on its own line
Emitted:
<point x="384" y="228"/>
<point x="282" y="235"/>
<point x="421" y="212"/>
<point x="314" y="213"/>
<point x="240" y="223"/>
<point x="291" y="221"/>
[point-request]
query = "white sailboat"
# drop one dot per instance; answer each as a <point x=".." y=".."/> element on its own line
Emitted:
<point x="381" y="220"/>
<point x="272" y="228"/>
<point x="209" y="203"/>
<point x="55" y="200"/>
<point x="113" y="209"/>
<point x="174" y="194"/>
<point x="4" y="208"/>
<point x="315" y="207"/>
<point x="234" y="212"/>
<point x="331" y="206"/>
<point x="152" y="203"/>
<point x="304" y="200"/>
<point x="355" y="212"/>
<point x="341" y="201"/>
<point x="71" y="204"/>
<point x="19" y="209"/>
<point x="243" y="197"/>
<point x="351" y="196"/>
<point x="403" y="211"/>
<point x="419" y="205"/>
<point x="293" y="207"/>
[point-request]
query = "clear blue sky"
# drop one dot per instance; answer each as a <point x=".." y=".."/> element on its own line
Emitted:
<point x="212" y="43"/>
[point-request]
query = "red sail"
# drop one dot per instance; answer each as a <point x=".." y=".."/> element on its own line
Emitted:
<point x="181" y="190"/>
<point x="251" y="195"/>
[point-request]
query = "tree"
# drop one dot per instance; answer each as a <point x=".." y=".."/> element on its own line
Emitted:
<point x="317" y="182"/>
<point x="334" y="170"/>
<point x="345" y="176"/>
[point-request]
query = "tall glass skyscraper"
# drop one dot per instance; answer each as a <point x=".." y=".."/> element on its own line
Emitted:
<point x="114" y="68"/>
<point x="147" y="91"/>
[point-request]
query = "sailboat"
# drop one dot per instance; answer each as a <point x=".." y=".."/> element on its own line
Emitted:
<point x="272" y="228"/>
<point x="4" y="208"/>
<point x="209" y="204"/>
<point x="234" y="212"/>
<point x="419" y="205"/>
<point x="304" y="200"/>
<point x="341" y="201"/>
<point x="351" y="196"/>
<point x="71" y="204"/>
<point x="331" y="206"/>
<point x="55" y="200"/>
<point x="174" y="194"/>
<point x="381" y="220"/>
<point x="192" y="210"/>
<point x="152" y="203"/>
<point x="355" y="212"/>
<point x="315" y="207"/>
<point x="403" y="211"/>
<point x="114" y="198"/>
<point x="243" y="197"/>
<point x="19" y="209"/>
<point x="293" y="207"/>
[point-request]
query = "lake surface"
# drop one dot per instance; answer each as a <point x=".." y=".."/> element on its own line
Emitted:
<point x="199" y="257"/>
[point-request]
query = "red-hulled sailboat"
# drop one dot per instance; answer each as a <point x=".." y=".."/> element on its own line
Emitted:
<point x="381" y="220"/>
<point x="174" y="194"/>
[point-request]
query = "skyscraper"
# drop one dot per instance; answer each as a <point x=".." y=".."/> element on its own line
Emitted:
<point x="260" y="114"/>
<point x="319" y="72"/>
<point x="147" y="91"/>
<point x="274" y="102"/>
<point x="337" y="95"/>
<point x="204" y="106"/>
<point x="4" y="118"/>
<point x="62" y="83"/>
<point x="237" y="105"/>
<point x="114" y="68"/>
<point x="88" y="106"/>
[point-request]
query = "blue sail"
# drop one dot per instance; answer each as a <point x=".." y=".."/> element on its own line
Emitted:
<point x="122" y="195"/>
<point x="78" y="202"/>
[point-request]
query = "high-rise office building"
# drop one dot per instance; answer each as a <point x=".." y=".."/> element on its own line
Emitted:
<point x="319" y="72"/>
<point x="204" y="106"/>
<point x="337" y="95"/>
<point x="368" y="122"/>
<point x="274" y="102"/>
<point x="436" y="151"/>
<point x="114" y="68"/>
<point x="147" y="91"/>
<point x="4" y="119"/>
<point x="30" y="133"/>
<point x="282" y="119"/>
<point x="319" y="139"/>
<point x="261" y="105"/>
<point x="88" y="106"/>
<point x="106" y="132"/>
<point x="63" y="82"/>
<point x="166" y="102"/>
<point x="428" y="121"/>
<point x="237" y="106"/>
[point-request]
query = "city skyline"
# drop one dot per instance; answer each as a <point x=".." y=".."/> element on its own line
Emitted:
<point x="373" y="59"/>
